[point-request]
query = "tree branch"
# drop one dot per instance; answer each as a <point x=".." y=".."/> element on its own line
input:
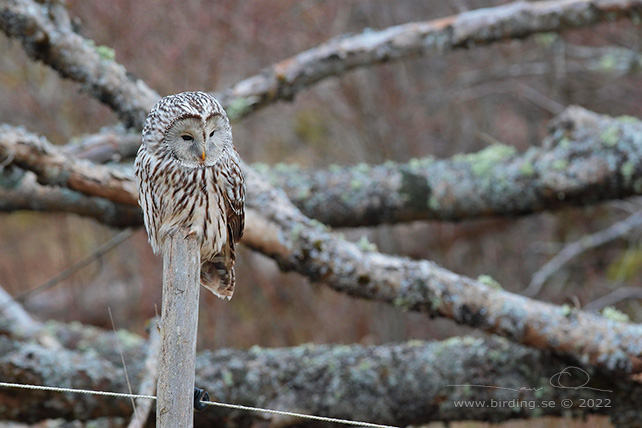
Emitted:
<point x="53" y="166"/>
<point x="574" y="249"/>
<point x="19" y="190"/>
<point x="46" y="33"/>
<point x="283" y="80"/>
<point x="105" y="146"/>
<point x="17" y="322"/>
<point x="586" y="158"/>
<point x="616" y="296"/>
<point x="377" y="384"/>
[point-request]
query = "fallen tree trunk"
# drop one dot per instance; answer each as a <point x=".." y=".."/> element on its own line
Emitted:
<point x="587" y="158"/>
<point x="402" y="384"/>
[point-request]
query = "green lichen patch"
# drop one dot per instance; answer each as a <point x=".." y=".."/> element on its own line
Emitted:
<point x="628" y="120"/>
<point x="483" y="162"/>
<point x="365" y="245"/>
<point x="610" y="136"/>
<point x="559" y="164"/>
<point x="104" y="52"/>
<point x="613" y="314"/>
<point x="608" y="62"/>
<point x="284" y="167"/>
<point x="627" y="170"/>
<point x="237" y="108"/>
<point x="433" y="203"/>
<point x="261" y="168"/>
<point x="419" y="164"/>
<point x="564" y="143"/>
<point x="546" y="39"/>
<point x="527" y="169"/>
<point x="403" y="303"/>
<point x="356" y="184"/>
<point x="489" y="281"/>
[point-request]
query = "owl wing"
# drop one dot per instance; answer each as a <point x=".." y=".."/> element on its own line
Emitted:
<point x="147" y="197"/>
<point x="233" y="185"/>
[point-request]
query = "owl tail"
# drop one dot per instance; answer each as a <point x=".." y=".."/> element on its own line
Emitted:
<point x="219" y="277"/>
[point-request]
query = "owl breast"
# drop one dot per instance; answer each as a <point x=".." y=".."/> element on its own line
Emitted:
<point x="183" y="198"/>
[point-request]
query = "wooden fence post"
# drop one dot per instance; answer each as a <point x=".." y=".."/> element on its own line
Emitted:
<point x="179" y="323"/>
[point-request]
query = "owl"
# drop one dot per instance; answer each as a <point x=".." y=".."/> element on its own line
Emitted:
<point x="189" y="176"/>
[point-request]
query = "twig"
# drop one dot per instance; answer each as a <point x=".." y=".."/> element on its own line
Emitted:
<point x="82" y="263"/>
<point x="149" y="377"/>
<point x="574" y="249"/>
<point x="122" y="360"/>
<point x="615" y="296"/>
<point x="540" y="100"/>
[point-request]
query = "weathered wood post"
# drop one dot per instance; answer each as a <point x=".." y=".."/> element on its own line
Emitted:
<point x="179" y="323"/>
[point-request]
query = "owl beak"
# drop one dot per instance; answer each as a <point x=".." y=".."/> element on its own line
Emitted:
<point x="203" y="155"/>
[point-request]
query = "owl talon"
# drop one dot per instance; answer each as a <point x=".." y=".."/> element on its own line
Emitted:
<point x="200" y="395"/>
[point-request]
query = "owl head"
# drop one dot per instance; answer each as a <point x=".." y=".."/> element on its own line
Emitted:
<point x="192" y="127"/>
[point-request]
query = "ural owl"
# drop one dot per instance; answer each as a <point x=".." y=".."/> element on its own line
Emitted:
<point x="189" y="176"/>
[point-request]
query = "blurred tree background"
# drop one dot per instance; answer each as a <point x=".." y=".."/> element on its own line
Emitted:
<point x="437" y="106"/>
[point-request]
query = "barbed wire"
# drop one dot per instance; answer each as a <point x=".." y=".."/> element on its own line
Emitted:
<point x="209" y="403"/>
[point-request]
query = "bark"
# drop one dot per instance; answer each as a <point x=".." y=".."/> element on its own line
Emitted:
<point x="19" y="190"/>
<point x="55" y="167"/>
<point x="587" y="158"/>
<point x="378" y="384"/>
<point x="278" y="229"/>
<point x="46" y="33"/>
<point x="106" y="146"/>
<point x="178" y="330"/>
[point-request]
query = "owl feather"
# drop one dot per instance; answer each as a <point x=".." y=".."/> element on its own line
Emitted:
<point x="189" y="178"/>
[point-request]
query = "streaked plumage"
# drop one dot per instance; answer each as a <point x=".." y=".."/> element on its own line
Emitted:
<point x="189" y="176"/>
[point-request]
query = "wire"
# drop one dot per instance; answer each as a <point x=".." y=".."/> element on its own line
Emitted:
<point x="209" y="403"/>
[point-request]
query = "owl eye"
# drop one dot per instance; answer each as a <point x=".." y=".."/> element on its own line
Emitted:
<point x="187" y="138"/>
<point x="212" y="133"/>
